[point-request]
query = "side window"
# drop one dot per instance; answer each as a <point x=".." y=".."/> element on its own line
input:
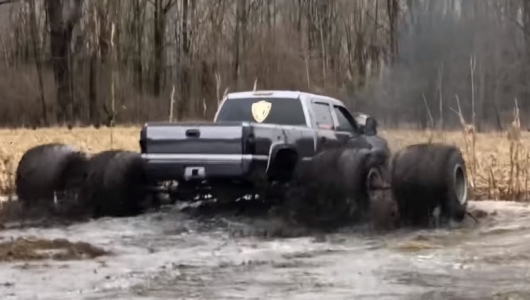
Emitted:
<point x="323" y="118"/>
<point x="346" y="121"/>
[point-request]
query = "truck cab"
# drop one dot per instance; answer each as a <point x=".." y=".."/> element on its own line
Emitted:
<point x="327" y="118"/>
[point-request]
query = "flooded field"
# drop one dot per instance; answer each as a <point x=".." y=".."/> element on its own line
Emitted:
<point x="168" y="255"/>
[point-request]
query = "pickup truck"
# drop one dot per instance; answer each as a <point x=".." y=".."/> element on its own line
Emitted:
<point x="303" y="153"/>
<point x="261" y="141"/>
<point x="256" y="138"/>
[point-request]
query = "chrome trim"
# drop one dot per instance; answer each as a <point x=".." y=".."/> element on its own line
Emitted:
<point x="202" y="157"/>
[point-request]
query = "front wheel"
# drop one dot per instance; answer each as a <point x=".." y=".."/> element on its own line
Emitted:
<point x="335" y="188"/>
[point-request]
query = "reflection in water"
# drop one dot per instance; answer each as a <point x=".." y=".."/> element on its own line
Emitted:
<point x="168" y="256"/>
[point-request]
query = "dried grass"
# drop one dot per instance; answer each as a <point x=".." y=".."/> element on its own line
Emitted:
<point x="498" y="163"/>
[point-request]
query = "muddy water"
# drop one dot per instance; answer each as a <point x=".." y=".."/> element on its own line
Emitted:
<point x="166" y="255"/>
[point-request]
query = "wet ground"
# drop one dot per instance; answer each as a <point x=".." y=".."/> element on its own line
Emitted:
<point x="167" y="255"/>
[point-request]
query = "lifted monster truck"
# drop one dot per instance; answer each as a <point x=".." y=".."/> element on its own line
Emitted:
<point x="308" y="153"/>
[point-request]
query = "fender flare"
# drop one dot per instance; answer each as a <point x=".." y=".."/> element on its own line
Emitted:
<point x="275" y="148"/>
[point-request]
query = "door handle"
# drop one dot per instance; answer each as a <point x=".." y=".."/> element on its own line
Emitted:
<point x="193" y="133"/>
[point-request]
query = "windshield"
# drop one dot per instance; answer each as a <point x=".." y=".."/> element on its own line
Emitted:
<point x="282" y="111"/>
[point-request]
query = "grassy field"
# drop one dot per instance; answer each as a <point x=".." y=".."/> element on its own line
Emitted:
<point x="497" y="166"/>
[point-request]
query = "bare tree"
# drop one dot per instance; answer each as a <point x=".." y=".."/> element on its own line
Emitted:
<point x="162" y="7"/>
<point x="38" y="59"/>
<point x="380" y="56"/>
<point x="61" y="27"/>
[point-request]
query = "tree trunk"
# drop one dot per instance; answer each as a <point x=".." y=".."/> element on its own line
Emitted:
<point x="393" y="10"/>
<point x="159" y="30"/>
<point x="185" y="62"/>
<point x="38" y="61"/>
<point x="139" y="33"/>
<point x="525" y="74"/>
<point x="236" y="47"/>
<point x="93" y="110"/>
<point x="60" y="39"/>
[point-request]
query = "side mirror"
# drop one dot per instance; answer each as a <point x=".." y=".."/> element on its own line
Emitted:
<point x="370" y="127"/>
<point x="367" y="124"/>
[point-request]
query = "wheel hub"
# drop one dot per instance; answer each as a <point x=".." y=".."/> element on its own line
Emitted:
<point x="460" y="182"/>
<point x="373" y="180"/>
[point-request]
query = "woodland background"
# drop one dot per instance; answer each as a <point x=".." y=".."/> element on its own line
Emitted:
<point x="406" y="62"/>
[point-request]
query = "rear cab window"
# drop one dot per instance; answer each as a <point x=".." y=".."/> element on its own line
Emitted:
<point x="267" y="110"/>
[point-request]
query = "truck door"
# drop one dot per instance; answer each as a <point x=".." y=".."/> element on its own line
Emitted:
<point x="325" y="126"/>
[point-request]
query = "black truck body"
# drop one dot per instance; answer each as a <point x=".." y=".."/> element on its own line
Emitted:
<point x="231" y="150"/>
<point x="245" y="144"/>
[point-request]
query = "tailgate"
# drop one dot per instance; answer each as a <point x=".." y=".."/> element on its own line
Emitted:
<point x="193" y="138"/>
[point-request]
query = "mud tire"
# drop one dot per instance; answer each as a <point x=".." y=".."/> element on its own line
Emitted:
<point x="47" y="169"/>
<point x="426" y="177"/>
<point x="330" y="190"/>
<point x="115" y="185"/>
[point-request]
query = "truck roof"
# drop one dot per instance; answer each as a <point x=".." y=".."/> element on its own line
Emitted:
<point x="279" y="94"/>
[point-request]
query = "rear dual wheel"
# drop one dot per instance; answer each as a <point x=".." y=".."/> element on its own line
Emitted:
<point x="49" y="175"/>
<point x="60" y="179"/>
<point x="116" y="185"/>
<point x="429" y="183"/>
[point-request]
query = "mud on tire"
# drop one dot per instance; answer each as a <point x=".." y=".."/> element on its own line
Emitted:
<point x="427" y="178"/>
<point x="48" y="170"/>
<point x="330" y="190"/>
<point x="115" y="184"/>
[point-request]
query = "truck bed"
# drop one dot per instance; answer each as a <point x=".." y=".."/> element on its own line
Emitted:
<point x="175" y="151"/>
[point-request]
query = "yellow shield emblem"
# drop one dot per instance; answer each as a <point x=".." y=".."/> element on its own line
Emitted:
<point x="260" y="110"/>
